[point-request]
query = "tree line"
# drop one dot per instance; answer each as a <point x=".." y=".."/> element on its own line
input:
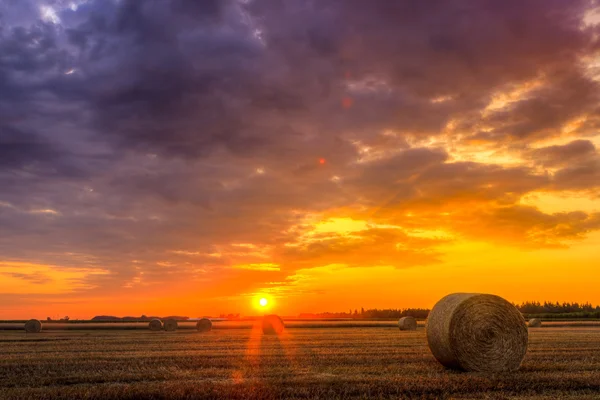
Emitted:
<point x="584" y="310"/>
<point x="530" y="308"/>
<point x="535" y="307"/>
<point x="373" y="313"/>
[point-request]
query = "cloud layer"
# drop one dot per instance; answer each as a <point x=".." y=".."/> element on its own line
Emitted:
<point x="148" y="140"/>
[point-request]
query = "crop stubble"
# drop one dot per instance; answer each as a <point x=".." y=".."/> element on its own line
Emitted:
<point x="301" y="363"/>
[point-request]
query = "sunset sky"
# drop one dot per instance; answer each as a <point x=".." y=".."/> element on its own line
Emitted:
<point x="188" y="157"/>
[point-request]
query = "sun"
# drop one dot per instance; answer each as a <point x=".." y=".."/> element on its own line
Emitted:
<point x="263" y="302"/>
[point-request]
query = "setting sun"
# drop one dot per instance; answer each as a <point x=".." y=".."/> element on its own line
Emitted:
<point x="262" y="302"/>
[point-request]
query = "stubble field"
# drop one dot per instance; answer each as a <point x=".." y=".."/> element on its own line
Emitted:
<point x="330" y="363"/>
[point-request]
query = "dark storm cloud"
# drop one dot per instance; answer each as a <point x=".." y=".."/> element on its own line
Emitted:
<point x="148" y="127"/>
<point x="184" y="79"/>
<point x="18" y="148"/>
<point x="462" y="49"/>
<point x="171" y="77"/>
<point x="23" y="53"/>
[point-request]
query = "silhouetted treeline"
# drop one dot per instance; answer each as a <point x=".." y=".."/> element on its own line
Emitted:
<point x="546" y="310"/>
<point x="373" y="313"/>
<point x="230" y="316"/>
<point x="535" y="307"/>
<point x="530" y="308"/>
<point x="143" y="318"/>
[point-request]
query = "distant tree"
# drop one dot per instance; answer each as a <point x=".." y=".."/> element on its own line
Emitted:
<point x="535" y="307"/>
<point x="376" y="313"/>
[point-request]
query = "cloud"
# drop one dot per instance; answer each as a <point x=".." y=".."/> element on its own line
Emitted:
<point x="528" y="227"/>
<point x="563" y="155"/>
<point x="576" y="165"/>
<point x="150" y="150"/>
<point x="35" y="278"/>
<point x="365" y="248"/>
<point x="545" y="111"/>
<point x="583" y="175"/>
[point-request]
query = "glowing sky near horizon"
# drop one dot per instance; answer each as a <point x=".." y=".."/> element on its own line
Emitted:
<point x="176" y="157"/>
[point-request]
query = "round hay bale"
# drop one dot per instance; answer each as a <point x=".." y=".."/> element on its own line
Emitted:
<point x="407" y="324"/>
<point x="155" y="325"/>
<point x="33" y="326"/>
<point x="272" y="324"/>
<point x="204" y="325"/>
<point x="170" y="325"/>
<point x="477" y="332"/>
<point x="535" y="323"/>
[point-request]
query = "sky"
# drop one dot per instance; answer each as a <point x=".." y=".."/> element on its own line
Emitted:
<point x="188" y="158"/>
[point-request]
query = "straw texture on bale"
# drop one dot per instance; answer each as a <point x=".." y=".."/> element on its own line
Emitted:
<point x="535" y="323"/>
<point x="204" y="325"/>
<point x="477" y="332"/>
<point x="155" y="325"/>
<point x="33" y="326"/>
<point x="407" y="324"/>
<point x="170" y="325"/>
<point x="272" y="325"/>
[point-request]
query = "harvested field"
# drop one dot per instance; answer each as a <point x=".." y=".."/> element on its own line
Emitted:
<point x="332" y="363"/>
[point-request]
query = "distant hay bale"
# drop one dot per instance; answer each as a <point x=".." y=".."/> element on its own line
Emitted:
<point x="170" y="325"/>
<point x="272" y="324"/>
<point x="407" y="324"/>
<point x="33" y="326"/>
<point x="204" y="325"/>
<point x="155" y="325"/>
<point x="477" y="332"/>
<point x="535" y="323"/>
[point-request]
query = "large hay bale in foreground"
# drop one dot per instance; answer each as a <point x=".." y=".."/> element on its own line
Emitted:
<point x="33" y="326"/>
<point x="155" y="325"/>
<point x="407" y="324"/>
<point x="477" y="332"/>
<point x="204" y="325"/>
<point x="535" y="323"/>
<point x="170" y="325"/>
<point x="272" y="324"/>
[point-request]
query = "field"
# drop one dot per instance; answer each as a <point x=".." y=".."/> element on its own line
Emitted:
<point x="328" y="362"/>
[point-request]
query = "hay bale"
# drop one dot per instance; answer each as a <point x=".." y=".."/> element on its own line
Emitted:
<point x="33" y="326"/>
<point x="155" y="325"/>
<point x="272" y="324"/>
<point x="535" y="323"/>
<point x="407" y="324"/>
<point x="204" y="325"/>
<point x="477" y="332"/>
<point x="170" y="325"/>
